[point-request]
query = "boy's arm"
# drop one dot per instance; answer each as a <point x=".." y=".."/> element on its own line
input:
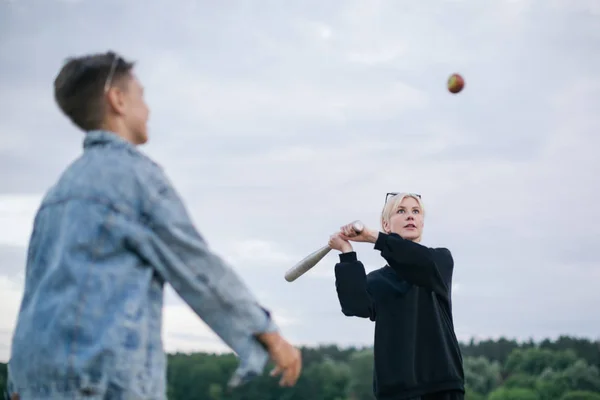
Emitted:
<point x="205" y="282"/>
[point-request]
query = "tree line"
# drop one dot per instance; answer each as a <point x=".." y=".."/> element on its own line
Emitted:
<point x="564" y="369"/>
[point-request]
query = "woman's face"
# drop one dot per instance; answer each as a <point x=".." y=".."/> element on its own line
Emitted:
<point x="407" y="220"/>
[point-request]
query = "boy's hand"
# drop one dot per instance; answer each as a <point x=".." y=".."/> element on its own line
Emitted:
<point x="287" y="358"/>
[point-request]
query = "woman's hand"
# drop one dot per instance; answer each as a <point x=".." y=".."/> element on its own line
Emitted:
<point x="366" y="235"/>
<point x="337" y="242"/>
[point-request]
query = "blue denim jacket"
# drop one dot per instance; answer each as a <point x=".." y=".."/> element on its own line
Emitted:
<point x="106" y="239"/>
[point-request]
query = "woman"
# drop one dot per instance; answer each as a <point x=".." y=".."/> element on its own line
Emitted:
<point x="416" y="351"/>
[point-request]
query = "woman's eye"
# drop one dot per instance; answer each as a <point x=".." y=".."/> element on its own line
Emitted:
<point x="400" y="211"/>
<point x="416" y="211"/>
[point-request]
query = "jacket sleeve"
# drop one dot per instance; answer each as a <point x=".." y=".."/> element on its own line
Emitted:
<point x="351" y="284"/>
<point x="204" y="280"/>
<point x="416" y="263"/>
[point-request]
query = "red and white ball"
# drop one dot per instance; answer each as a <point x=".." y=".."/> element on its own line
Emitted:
<point x="456" y="83"/>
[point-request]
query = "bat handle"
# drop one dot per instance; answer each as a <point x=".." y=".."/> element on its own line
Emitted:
<point x="358" y="227"/>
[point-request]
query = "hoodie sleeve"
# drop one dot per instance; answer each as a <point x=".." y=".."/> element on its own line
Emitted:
<point x="352" y="286"/>
<point x="416" y="263"/>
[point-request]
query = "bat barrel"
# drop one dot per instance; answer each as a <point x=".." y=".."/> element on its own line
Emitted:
<point x="306" y="264"/>
<point x="292" y="275"/>
<point x="312" y="259"/>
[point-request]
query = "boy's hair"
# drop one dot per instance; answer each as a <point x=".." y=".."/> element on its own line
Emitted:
<point x="79" y="87"/>
<point x="394" y="202"/>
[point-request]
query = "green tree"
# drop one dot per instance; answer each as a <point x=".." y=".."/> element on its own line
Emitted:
<point x="551" y="385"/>
<point x="520" y="380"/>
<point x="549" y="371"/>
<point x="581" y="395"/>
<point x="473" y="395"/>
<point x="3" y="378"/>
<point x="360" y="386"/>
<point x="582" y="376"/>
<point x="481" y="375"/>
<point x="494" y="350"/>
<point x="533" y="361"/>
<point x="504" y="393"/>
<point x="215" y="391"/>
<point x="328" y="379"/>
<point x="583" y="348"/>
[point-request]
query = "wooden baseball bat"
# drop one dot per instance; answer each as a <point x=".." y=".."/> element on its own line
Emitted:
<point x="304" y="265"/>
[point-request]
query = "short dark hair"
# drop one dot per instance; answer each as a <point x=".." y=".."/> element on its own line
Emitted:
<point x="79" y="86"/>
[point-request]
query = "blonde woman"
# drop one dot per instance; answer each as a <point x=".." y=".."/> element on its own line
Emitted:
<point x="416" y="351"/>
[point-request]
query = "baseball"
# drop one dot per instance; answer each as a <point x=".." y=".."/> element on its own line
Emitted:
<point x="456" y="83"/>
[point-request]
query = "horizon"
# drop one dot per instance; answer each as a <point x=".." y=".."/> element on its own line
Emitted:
<point x="279" y="124"/>
<point x="368" y="347"/>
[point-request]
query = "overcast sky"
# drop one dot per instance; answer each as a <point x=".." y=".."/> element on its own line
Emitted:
<point x="280" y="121"/>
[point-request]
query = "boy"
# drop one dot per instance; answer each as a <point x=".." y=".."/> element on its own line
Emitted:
<point x="106" y="238"/>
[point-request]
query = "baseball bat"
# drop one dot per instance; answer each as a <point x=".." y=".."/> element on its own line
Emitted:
<point x="304" y="265"/>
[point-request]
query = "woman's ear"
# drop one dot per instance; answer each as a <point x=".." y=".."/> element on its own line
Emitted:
<point x="386" y="226"/>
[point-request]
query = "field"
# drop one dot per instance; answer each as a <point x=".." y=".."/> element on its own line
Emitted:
<point x="564" y="369"/>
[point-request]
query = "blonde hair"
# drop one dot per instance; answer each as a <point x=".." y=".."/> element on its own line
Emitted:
<point x="394" y="202"/>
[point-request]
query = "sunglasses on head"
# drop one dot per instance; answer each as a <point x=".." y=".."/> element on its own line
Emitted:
<point x="111" y="73"/>
<point x="392" y="194"/>
<point x="89" y="64"/>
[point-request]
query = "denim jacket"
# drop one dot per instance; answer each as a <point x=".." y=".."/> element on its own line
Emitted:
<point x="106" y="238"/>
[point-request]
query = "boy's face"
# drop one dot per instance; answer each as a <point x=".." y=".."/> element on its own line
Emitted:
<point x="135" y="111"/>
<point x="129" y="110"/>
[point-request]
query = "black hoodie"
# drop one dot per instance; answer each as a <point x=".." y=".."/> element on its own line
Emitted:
<point x="416" y="350"/>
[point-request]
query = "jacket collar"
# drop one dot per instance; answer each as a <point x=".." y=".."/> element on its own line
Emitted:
<point x="102" y="138"/>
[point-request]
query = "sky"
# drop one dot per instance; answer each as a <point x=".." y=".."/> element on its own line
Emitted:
<point x="278" y="122"/>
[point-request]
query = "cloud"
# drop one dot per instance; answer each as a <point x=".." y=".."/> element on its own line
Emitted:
<point x="10" y="297"/>
<point x="257" y="252"/>
<point x="16" y="218"/>
<point x="589" y="7"/>
<point x="184" y="331"/>
<point x="278" y="124"/>
<point x="229" y="103"/>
